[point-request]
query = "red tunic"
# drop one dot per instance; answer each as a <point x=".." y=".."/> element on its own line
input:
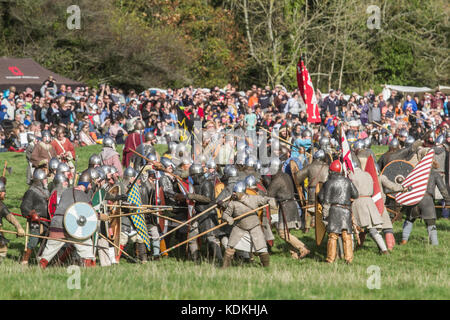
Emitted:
<point x="67" y="145"/>
<point x="132" y="142"/>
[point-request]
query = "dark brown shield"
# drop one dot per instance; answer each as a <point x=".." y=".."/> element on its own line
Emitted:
<point x="394" y="171"/>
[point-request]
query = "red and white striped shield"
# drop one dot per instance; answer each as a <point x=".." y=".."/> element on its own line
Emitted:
<point x="376" y="197"/>
<point x="418" y="180"/>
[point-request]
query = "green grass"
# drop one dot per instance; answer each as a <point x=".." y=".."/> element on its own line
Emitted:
<point x="414" y="271"/>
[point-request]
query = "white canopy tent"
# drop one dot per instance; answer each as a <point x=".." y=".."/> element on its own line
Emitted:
<point x="404" y="90"/>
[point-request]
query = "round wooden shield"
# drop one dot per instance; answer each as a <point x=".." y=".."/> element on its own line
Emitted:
<point x="80" y="220"/>
<point x="218" y="188"/>
<point x="395" y="170"/>
<point x="52" y="203"/>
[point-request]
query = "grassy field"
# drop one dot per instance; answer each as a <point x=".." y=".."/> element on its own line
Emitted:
<point x="414" y="271"/>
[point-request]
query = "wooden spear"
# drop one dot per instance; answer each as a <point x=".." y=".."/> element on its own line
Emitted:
<point x="192" y="219"/>
<point x="214" y="228"/>
<point x="4" y="168"/>
<point x="144" y="212"/>
<point x="117" y="247"/>
<point x="48" y="238"/>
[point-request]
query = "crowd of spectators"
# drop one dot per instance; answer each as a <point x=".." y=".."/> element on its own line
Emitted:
<point x="89" y="114"/>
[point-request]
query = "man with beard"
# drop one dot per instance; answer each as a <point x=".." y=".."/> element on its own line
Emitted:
<point x="4" y="213"/>
<point x="335" y="197"/>
<point x="34" y="206"/>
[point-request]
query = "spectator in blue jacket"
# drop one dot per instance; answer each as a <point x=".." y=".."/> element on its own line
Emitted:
<point x="410" y="103"/>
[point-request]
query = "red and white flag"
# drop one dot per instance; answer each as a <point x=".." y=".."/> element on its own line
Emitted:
<point x="376" y="197"/>
<point x="346" y="154"/>
<point x="306" y="89"/>
<point x="418" y="180"/>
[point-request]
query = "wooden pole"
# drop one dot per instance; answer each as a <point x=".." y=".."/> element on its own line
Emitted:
<point x="164" y="208"/>
<point x="192" y="219"/>
<point x="117" y="247"/>
<point x="214" y="228"/>
<point x="144" y="212"/>
<point x="27" y="229"/>
<point x="48" y="238"/>
<point x="4" y="168"/>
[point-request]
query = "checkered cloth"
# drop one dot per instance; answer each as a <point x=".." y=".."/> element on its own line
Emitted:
<point x="134" y="197"/>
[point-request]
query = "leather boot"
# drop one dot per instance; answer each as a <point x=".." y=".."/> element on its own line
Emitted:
<point x="26" y="256"/>
<point x="303" y="252"/>
<point x="141" y="251"/>
<point x="390" y="240"/>
<point x="120" y="253"/>
<point x="348" y="247"/>
<point x="265" y="259"/>
<point x="43" y="263"/>
<point x="362" y="238"/>
<point x="332" y="247"/>
<point x="403" y="242"/>
<point x="229" y="253"/>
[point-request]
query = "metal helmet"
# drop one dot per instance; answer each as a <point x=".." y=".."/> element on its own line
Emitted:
<point x="324" y="142"/>
<point x="95" y="160"/>
<point x="240" y="186"/>
<point x="53" y="164"/>
<point x="166" y="162"/>
<point x="108" y="142"/>
<point x="62" y="168"/>
<point x="46" y="136"/>
<point x="368" y="142"/>
<point x="440" y="139"/>
<point x="336" y="166"/>
<point x="31" y="137"/>
<point x="306" y="133"/>
<point x="85" y="177"/>
<point x="39" y="175"/>
<point x="202" y="159"/>
<point x="149" y="136"/>
<point x="106" y="169"/>
<point x="394" y="143"/>
<point x="130" y="172"/>
<point x="195" y="169"/>
<point x="2" y="186"/>
<point x="172" y="146"/>
<point x="231" y="171"/>
<point x="113" y="169"/>
<point x="210" y="164"/>
<point x="152" y="157"/>
<point x="403" y="133"/>
<point x="359" y="145"/>
<point x="250" y="162"/>
<point x="186" y="161"/>
<point x="94" y="174"/>
<point x="409" y="141"/>
<point x="250" y="181"/>
<point x="275" y="164"/>
<point x="60" y="179"/>
<point x="101" y="173"/>
<point x="320" y="154"/>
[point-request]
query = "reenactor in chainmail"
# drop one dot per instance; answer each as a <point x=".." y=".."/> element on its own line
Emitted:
<point x="33" y="207"/>
<point x="251" y="184"/>
<point x="28" y="151"/>
<point x="425" y="208"/>
<point x="317" y="173"/>
<point x="4" y="213"/>
<point x="63" y="169"/>
<point x="128" y="232"/>
<point x="145" y="148"/>
<point x="250" y="168"/>
<point x="335" y="197"/>
<point x="246" y="233"/>
<point x="211" y="172"/>
<point x="95" y="161"/>
<point x="282" y="189"/>
<point x="204" y="198"/>
<point x="53" y="165"/>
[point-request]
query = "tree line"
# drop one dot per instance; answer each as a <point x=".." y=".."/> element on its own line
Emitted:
<point x="172" y="43"/>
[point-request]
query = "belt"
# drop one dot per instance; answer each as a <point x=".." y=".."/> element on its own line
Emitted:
<point x="341" y="205"/>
